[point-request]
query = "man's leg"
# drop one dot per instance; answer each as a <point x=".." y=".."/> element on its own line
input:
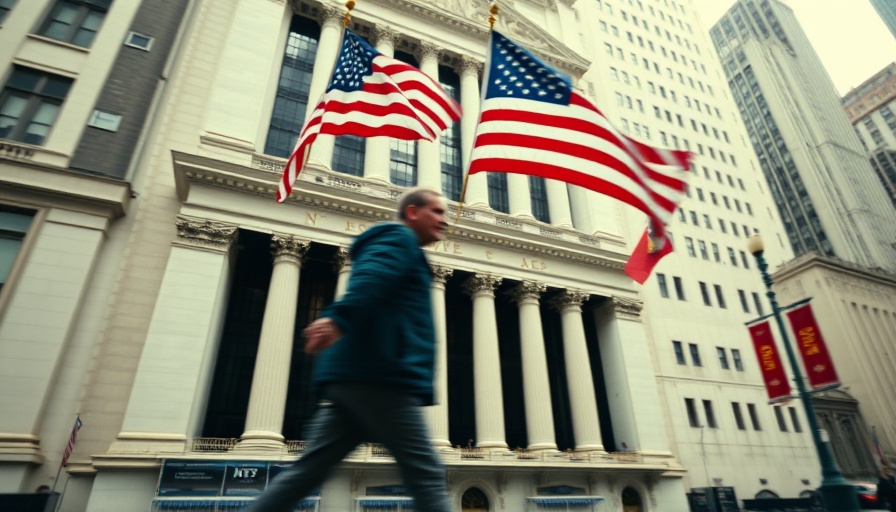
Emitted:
<point x="331" y="436"/>
<point x="393" y="417"/>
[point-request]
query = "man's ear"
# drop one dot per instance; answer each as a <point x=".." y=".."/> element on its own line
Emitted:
<point x="410" y="212"/>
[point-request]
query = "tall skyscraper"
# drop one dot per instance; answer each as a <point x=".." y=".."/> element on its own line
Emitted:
<point x="871" y="108"/>
<point x="887" y="11"/>
<point x="827" y="194"/>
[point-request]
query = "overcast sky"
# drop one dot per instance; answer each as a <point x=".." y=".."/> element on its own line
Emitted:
<point x="848" y="35"/>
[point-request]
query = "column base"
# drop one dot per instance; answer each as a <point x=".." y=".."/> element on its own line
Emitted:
<point x="492" y="445"/>
<point x="441" y="443"/>
<point x="260" y="440"/>
<point x="542" y="446"/>
<point x="590" y="448"/>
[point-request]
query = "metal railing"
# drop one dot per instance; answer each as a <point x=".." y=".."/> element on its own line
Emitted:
<point x="213" y="444"/>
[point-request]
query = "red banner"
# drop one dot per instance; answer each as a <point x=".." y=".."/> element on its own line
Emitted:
<point x="816" y="358"/>
<point x="770" y="362"/>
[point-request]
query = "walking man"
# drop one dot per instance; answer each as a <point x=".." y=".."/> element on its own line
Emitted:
<point x="376" y="363"/>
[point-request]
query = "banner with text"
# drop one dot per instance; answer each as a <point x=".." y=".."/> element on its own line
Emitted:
<point x="770" y="362"/>
<point x="816" y="358"/>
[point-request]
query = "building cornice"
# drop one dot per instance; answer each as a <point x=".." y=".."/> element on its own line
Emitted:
<point x="812" y="260"/>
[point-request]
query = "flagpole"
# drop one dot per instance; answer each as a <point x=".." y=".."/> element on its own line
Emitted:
<point x="492" y="18"/>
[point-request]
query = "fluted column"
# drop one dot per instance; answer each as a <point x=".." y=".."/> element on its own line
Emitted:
<point x="429" y="160"/>
<point x="331" y="25"/>
<point x="376" y="155"/>
<point x="518" y="195"/>
<point x="487" y="386"/>
<point x="343" y="266"/>
<point x="438" y="413"/>
<point x="477" y="185"/>
<point x="558" y="203"/>
<point x="580" y="382"/>
<point x="270" y="380"/>
<point x="536" y="384"/>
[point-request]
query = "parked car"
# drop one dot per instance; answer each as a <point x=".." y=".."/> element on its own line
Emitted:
<point x="867" y="495"/>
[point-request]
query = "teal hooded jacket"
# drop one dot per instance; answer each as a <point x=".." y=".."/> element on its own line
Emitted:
<point x="385" y="316"/>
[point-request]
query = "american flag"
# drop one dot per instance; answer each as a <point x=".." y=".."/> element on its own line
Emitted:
<point x="533" y="122"/>
<point x="372" y="95"/>
<point x="72" y="439"/>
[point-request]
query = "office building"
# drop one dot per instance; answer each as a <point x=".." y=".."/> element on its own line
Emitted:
<point x="887" y="11"/>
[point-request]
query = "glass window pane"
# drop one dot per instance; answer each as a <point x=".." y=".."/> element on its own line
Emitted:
<point x="45" y="114"/>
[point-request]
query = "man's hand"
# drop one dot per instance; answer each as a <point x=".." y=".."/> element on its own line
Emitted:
<point x="320" y="334"/>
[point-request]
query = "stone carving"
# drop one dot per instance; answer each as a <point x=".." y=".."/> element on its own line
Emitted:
<point x="205" y="233"/>
<point x="482" y="284"/>
<point x="569" y="299"/>
<point x="626" y="308"/>
<point x="386" y="34"/>
<point x="527" y="290"/>
<point x="469" y="65"/>
<point x="440" y="274"/>
<point x="288" y="246"/>
<point x="428" y="51"/>
<point x="341" y="260"/>
<point x="331" y="15"/>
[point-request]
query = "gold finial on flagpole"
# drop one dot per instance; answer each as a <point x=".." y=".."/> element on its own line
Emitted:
<point x="347" y="18"/>
<point x="493" y="14"/>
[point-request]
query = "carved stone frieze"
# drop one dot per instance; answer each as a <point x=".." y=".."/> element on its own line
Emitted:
<point x="427" y="50"/>
<point x="329" y="15"/>
<point x="386" y="34"/>
<point x="289" y="247"/>
<point x="469" y="65"/>
<point x="482" y="284"/>
<point x="527" y="290"/>
<point x="205" y="234"/>
<point x="569" y="299"/>
<point x="440" y="274"/>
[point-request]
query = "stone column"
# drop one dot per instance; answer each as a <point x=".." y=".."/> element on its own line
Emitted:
<point x="582" y="400"/>
<point x="518" y="195"/>
<point x="486" y="362"/>
<point x="627" y="365"/>
<point x="558" y="203"/>
<point x="270" y="380"/>
<point x="438" y="413"/>
<point x="536" y="384"/>
<point x="343" y="266"/>
<point x="477" y="185"/>
<point x="376" y="154"/>
<point x="429" y="159"/>
<point x="331" y="25"/>
<point x="173" y="378"/>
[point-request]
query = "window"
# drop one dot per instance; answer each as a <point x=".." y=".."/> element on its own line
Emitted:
<point x="14" y="224"/>
<point x="706" y="221"/>
<point x="689" y="242"/>
<point x="450" y="150"/>
<point x="75" y="21"/>
<point x="732" y="256"/>
<point x="782" y="425"/>
<point x="702" y="245"/>
<point x="497" y="192"/>
<point x="754" y="418"/>
<point x="720" y="297"/>
<point x="744" y="259"/>
<point x="679" y="288"/>
<point x="704" y="291"/>
<point x="738" y="416"/>
<point x="539" y="198"/>
<point x="664" y="288"/>
<point x="744" y="304"/>
<point x="694" y="220"/>
<point x="403" y="162"/>
<point x="723" y="357"/>
<point x="135" y="40"/>
<point x="758" y="304"/>
<point x="695" y="354"/>
<point x="795" y="419"/>
<point x="348" y="155"/>
<point x="30" y="103"/>
<point x="738" y="362"/>
<point x="693" y="419"/>
<point x="679" y="352"/>
<point x="715" y="253"/>
<point x="710" y="415"/>
<point x="292" y="89"/>
<point x="5" y="7"/>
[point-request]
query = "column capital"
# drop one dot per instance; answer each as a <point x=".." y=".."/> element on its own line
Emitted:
<point x="440" y="274"/>
<point x="569" y="299"/>
<point x="341" y="260"/>
<point x="205" y="234"/>
<point x="428" y="50"/>
<point x="386" y="34"/>
<point x="622" y="307"/>
<point x="527" y="290"/>
<point x="330" y="15"/>
<point x="482" y="284"/>
<point x="289" y="247"/>
<point x="470" y="66"/>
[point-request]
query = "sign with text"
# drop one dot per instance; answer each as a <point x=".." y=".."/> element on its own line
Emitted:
<point x="769" y="362"/>
<point x="245" y="478"/>
<point x="816" y="358"/>
<point x="184" y="478"/>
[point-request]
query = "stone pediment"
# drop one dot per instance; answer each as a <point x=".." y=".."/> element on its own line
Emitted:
<point x="471" y="18"/>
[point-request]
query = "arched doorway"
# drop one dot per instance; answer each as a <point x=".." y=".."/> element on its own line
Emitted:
<point x="474" y="500"/>
<point x="631" y="500"/>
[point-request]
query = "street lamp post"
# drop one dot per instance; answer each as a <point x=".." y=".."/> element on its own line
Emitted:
<point x="836" y="493"/>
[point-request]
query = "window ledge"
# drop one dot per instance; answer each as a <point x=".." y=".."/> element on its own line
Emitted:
<point x="56" y="42"/>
